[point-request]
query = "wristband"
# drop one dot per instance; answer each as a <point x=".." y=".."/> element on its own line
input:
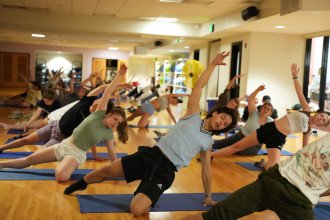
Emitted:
<point x="295" y="77"/>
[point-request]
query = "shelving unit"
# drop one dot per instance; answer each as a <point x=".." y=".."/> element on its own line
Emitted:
<point x="170" y="72"/>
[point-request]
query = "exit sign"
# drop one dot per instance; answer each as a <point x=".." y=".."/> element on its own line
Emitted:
<point x="211" y="28"/>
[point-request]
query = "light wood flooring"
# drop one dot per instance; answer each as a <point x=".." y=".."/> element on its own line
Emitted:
<point x="45" y="199"/>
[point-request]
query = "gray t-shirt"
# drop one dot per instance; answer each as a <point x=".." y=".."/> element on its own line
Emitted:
<point x="185" y="140"/>
<point x="252" y="123"/>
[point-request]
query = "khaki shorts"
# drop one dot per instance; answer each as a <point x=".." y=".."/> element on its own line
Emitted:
<point x="68" y="148"/>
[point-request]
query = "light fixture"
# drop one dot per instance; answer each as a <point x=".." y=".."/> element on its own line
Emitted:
<point x="113" y="48"/>
<point x="171" y="50"/>
<point x="38" y="35"/>
<point x="279" y="26"/>
<point x="166" y="19"/>
<point x="172" y="1"/>
<point x="186" y="47"/>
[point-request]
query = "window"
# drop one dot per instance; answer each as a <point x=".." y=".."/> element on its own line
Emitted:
<point x="317" y="76"/>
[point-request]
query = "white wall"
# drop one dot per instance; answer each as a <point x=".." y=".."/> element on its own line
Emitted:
<point x="271" y="56"/>
<point x="141" y="67"/>
<point x="266" y="59"/>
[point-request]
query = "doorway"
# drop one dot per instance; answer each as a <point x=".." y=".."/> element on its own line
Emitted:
<point x="235" y="67"/>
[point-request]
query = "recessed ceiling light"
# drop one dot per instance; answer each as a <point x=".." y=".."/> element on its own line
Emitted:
<point x="171" y="1"/>
<point x="167" y="19"/>
<point x="186" y="47"/>
<point x="279" y="26"/>
<point x="113" y="48"/>
<point x="37" y="35"/>
<point x="171" y="50"/>
<point x="59" y="51"/>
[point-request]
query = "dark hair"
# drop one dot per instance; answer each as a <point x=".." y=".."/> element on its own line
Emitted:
<point x="110" y="106"/>
<point x="177" y="99"/>
<point x="170" y="89"/>
<point x="122" y="128"/>
<point x="268" y="103"/>
<point x="232" y="112"/>
<point x="49" y="94"/>
<point x="36" y="84"/>
<point x="235" y="100"/>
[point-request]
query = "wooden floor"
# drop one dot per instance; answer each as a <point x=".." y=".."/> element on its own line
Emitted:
<point x="45" y="199"/>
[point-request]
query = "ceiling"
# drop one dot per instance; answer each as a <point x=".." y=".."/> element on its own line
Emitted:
<point x="129" y="24"/>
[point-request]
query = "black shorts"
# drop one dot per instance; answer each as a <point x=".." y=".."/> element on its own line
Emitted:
<point x="269" y="135"/>
<point x="155" y="171"/>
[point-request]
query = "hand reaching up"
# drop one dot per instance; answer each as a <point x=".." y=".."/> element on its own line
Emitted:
<point x="218" y="60"/>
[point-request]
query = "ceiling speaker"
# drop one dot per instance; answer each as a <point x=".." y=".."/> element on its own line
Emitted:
<point x="249" y="12"/>
<point x="157" y="43"/>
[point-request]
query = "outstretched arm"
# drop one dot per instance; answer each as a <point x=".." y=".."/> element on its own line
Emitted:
<point x="232" y="81"/>
<point x="301" y="97"/>
<point x="251" y="104"/>
<point x="195" y="96"/>
<point x="303" y="102"/>
<point x="111" y="88"/>
<point x="168" y="109"/>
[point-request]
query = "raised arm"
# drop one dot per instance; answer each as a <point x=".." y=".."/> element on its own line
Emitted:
<point x="301" y="97"/>
<point x="111" y="88"/>
<point x="232" y="81"/>
<point x="168" y="109"/>
<point x="24" y="78"/>
<point x="251" y="103"/>
<point x="195" y="96"/>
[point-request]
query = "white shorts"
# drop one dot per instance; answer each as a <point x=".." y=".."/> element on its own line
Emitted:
<point x="67" y="148"/>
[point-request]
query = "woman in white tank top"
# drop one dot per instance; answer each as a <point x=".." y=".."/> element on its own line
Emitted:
<point x="273" y="134"/>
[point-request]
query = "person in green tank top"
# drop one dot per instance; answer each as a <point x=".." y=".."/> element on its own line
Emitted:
<point x="71" y="152"/>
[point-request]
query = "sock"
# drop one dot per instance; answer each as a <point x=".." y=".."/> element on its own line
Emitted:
<point x="79" y="185"/>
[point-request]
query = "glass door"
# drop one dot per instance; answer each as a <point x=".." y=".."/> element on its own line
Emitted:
<point x="316" y="75"/>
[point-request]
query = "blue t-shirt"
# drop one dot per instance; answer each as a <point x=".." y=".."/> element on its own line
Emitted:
<point x="185" y="140"/>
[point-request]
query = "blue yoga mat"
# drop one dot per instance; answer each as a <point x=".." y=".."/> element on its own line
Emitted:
<point x="15" y="155"/>
<point x="36" y="143"/>
<point x="40" y="174"/>
<point x="154" y="126"/>
<point x="168" y="202"/>
<point x="283" y="152"/>
<point x="15" y="131"/>
<point x="249" y="166"/>
<point x="322" y="211"/>
<point x="101" y="144"/>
